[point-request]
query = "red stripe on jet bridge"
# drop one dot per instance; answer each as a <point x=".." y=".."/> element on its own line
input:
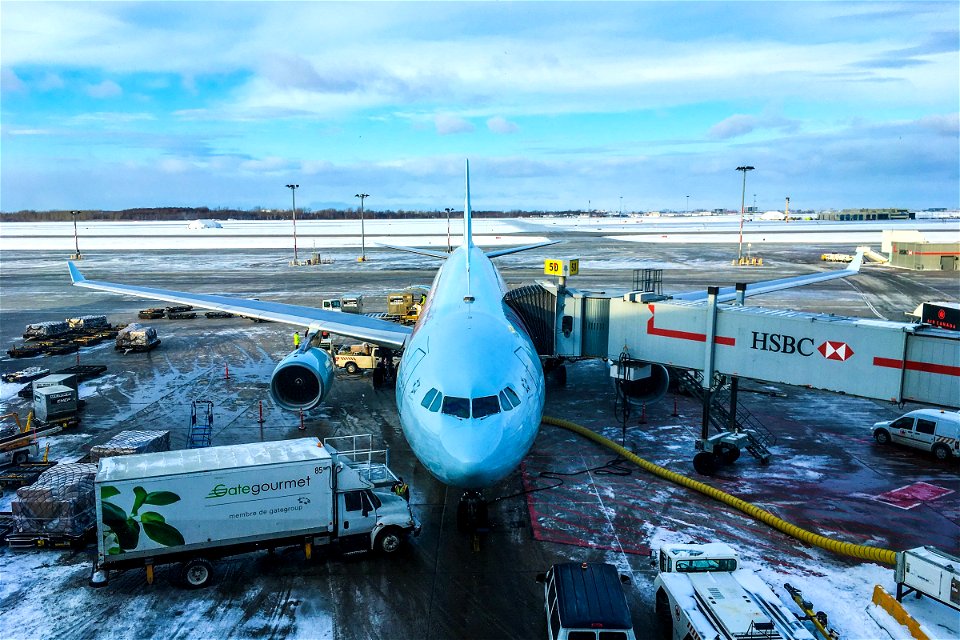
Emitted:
<point x="684" y="335"/>
<point x="911" y="365"/>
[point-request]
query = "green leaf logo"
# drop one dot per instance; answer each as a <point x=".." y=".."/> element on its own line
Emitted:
<point x="122" y="532"/>
<point x="161" y="498"/>
<point x="107" y="492"/>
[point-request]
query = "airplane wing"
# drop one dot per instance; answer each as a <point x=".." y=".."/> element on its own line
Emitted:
<point x="766" y="286"/>
<point x="380" y="332"/>
<point x="505" y="252"/>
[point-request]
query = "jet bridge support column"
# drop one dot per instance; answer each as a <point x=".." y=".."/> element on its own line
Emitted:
<point x="707" y="383"/>
<point x="735" y="380"/>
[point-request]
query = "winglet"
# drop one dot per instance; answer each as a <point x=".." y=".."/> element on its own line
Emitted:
<point x="857" y="261"/>
<point x="75" y="275"/>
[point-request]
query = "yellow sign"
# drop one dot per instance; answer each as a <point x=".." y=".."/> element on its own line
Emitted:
<point x="561" y="267"/>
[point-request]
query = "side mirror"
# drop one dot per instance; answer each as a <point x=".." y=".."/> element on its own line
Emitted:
<point x="541" y="578"/>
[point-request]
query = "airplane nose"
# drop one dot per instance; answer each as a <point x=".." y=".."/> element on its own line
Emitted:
<point x="477" y="452"/>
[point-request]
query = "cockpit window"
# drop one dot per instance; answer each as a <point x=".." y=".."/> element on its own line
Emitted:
<point x="456" y="407"/>
<point x="485" y="406"/>
<point x="509" y="399"/>
<point x="432" y="400"/>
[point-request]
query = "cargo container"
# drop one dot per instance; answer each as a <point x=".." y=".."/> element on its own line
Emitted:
<point x="54" y="403"/>
<point x="196" y="505"/>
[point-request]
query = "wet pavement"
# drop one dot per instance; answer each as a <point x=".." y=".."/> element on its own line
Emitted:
<point x="827" y="475"/>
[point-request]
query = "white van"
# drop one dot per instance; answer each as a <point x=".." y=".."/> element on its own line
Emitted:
<point x="933" y="430"/>
<point x="585" y="601"/>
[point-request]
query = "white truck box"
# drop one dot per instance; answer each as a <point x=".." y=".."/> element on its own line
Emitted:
<point x="151" y="504"/>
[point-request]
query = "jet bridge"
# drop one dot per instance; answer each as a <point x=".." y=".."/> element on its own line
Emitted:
<point x="644" y="335"/>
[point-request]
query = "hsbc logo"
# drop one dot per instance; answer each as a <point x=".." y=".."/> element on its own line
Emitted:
<point x="791" y="345"/>
<point x="835" y="350"/>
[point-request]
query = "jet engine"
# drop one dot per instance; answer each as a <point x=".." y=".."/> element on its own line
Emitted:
<point x="302" y="380"/>
<point x="639" y="388"/>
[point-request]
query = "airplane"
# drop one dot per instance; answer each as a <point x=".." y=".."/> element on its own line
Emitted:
<point x="470" y="386"/>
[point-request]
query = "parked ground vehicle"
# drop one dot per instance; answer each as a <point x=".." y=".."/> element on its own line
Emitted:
<point x="932" y="430"/>
<point x="405" y="306"/>
<point x="197" y="505"/>
<point x="702" y="591"/>
<point x="357" y="357"/>
<point x="16" y="444"/>
<point x="585" y="601"/>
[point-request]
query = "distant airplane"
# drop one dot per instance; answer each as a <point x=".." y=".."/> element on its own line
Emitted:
<point x="470" y="385"/>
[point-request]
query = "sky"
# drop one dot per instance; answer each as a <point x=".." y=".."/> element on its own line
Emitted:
<point x="632" y="106"/>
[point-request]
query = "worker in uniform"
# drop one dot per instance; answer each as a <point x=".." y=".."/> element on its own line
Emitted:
<point x="296" y="339"/>
<point x="401" y="489"/>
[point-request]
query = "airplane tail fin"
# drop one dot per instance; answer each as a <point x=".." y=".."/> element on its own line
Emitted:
<point x="467" y="213"/>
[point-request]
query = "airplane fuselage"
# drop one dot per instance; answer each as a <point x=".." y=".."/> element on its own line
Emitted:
<point x="470" y="387"/>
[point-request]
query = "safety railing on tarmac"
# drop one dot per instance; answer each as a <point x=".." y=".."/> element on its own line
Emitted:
<point x="358" y="453"/>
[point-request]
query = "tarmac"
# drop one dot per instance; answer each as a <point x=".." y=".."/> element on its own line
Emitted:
<point x="569" y="500"/>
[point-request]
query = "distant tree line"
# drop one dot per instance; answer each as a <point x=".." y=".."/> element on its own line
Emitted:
<point x="206" y="213"/>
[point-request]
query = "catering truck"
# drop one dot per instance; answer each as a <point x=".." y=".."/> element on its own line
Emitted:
<point x="194" y="506"/>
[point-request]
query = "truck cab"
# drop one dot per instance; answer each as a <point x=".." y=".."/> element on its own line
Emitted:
<point x="357" y="357"/>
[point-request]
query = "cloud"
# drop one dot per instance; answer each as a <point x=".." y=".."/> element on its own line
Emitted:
<point x="448" y="124"/>
<point x="10" y="81"/>
<point x="105" y="89"/>
<point x="732" y="127"/>
<point x="948" y="125"/>
<point x="50" y="82"/>
<point x="498" y="124"/>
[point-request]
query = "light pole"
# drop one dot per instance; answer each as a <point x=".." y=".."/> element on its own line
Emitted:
<point x="621" y="205"/>
<point x="76" y="241"/>
<point x="743" y="195"/>
<point x="688" y="204"/>
<point x="449" y="211"/>
<point x="363" y="241"/>
<point x="293" y="192"/>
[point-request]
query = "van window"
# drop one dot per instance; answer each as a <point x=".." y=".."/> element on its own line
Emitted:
<point x="926" y="426"/>
<point x="696" y="566"/>
<point x="905" y="422"/>
<point x="613" y="635"/>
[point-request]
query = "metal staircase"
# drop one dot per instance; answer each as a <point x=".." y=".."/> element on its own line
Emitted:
<point x="759" y="438"/>
<point x="201" y="424"/>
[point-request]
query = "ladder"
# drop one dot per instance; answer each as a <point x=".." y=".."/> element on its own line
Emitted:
<point x="201" y="424"/>
<point x="759" y="438"/>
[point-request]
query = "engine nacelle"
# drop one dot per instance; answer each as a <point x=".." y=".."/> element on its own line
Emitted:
<point x="302" y="380"/>
<point x="642" y="384"/>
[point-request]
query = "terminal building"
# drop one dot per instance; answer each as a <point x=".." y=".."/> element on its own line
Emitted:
<point x="849" y="215"/>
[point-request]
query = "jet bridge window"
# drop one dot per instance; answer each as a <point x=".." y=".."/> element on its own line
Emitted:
<point x="509" y="399"/>
<point x="456" y="407"/>
<point x="432" y="400"/>
<point x="485" y="406"/>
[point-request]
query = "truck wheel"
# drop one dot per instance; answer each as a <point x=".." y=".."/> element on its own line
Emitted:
<point x="705" y="463"/>
<point x="196" y="573"/>
<point x="941" y="451"/>
<point x="388" y="541"/>
<point x="663" y="615"/>
<point x="20" y="457"/>
<point x="882" y="436"/>
<point x="351" y="368"/>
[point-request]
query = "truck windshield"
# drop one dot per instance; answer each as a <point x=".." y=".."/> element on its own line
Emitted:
<point x="697" y="566"/>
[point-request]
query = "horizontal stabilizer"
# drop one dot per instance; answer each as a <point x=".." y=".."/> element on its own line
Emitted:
<point x="506" y="252"/>
<point x="443" y="255"/>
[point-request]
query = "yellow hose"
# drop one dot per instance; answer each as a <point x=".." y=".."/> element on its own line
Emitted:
<point x="860" y="551"/>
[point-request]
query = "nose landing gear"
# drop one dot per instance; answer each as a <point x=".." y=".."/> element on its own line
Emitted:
<point x="472" y="516"/>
